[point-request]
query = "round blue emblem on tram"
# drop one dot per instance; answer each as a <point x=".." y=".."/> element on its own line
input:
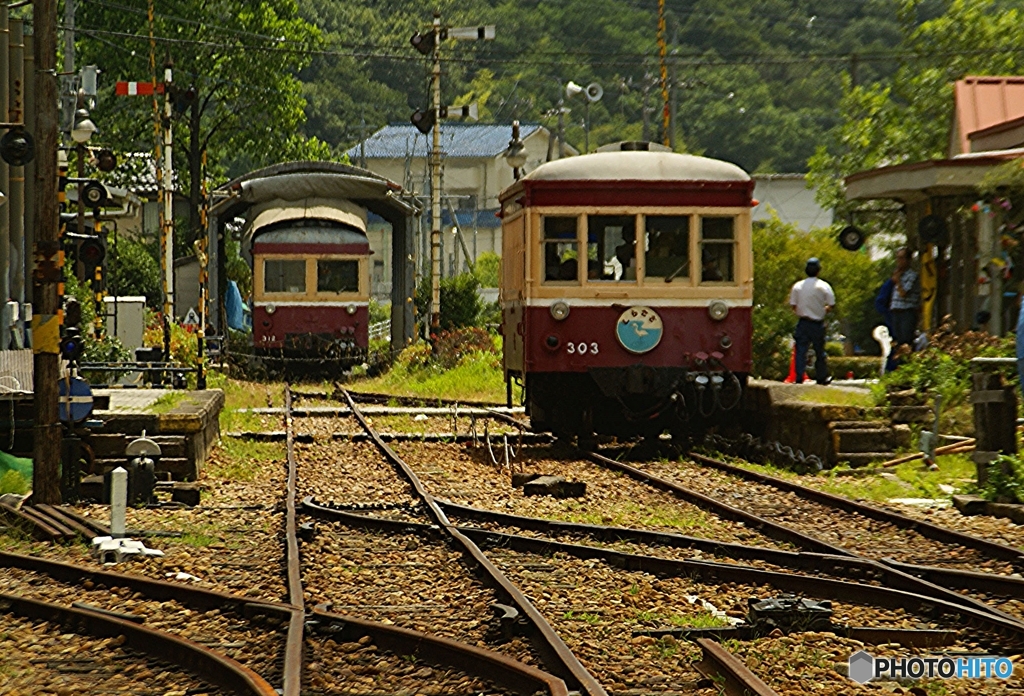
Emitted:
<point x="639" y="329"/>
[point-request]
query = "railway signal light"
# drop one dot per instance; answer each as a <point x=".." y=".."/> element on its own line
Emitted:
<point x="71" y="345"/>
<point x="423" y="120"/>
<point x="106" y="160"/>
<point x="91" y="253"/>
<point x="424" y="43"/>
<point x="17" y="148"/>
<point x="94" y="194"/>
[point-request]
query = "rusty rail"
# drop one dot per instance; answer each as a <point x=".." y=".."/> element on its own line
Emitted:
<point x="546" y="641"/>
<point x="485" y="664"/>
<point x="924" y="580"/>
<point x="292" y="671"/>
<point x="717" y="663"/>
<point x="209" y="665"/>
<point x="895" y="575"/>
<point x="933" y="531"/>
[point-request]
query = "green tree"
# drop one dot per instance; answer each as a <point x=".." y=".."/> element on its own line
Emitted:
<point x="239" y="56"/>
<point x="135" y="271"/>
<point x="780" y="254"/>
<point x="488" y="269"/>
<point x="906" y="116"/>
<point x="460" y="302"/>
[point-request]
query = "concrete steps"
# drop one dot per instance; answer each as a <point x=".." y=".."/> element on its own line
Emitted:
<point x="860" y="443"/>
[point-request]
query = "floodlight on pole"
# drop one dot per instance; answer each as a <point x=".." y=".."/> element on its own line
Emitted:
<point x="84" y="127"/>
<point x="515" y="154"/>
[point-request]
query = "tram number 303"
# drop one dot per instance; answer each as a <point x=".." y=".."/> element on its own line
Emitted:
<point x="582" y="348"/>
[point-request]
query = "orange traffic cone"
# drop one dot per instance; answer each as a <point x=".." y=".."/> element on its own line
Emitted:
<point x="791" y="378"/>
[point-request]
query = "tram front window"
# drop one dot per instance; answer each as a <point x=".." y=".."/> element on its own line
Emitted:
<point x="561" y="250"/>
<point x="718" y="250"/>
<point x="611" y="248"/>
<point x="335" y="275"/>
<point x="667" y="248"/>
<point x="280" y="275"/>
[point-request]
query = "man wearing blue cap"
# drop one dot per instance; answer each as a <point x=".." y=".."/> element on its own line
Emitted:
<point x="811" y="299"/>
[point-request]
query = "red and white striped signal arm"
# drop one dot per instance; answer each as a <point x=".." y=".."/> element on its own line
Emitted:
<point x="142" y="89"/>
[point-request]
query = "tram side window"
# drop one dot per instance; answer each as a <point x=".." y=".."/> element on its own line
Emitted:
<point x="611" y="247"/>
<point x="335" y="275"/>
<point x="561" y="249"/>
<point x="718" y="250"/>
<point x="667" y="248"/>
<point x="284" y="275"/>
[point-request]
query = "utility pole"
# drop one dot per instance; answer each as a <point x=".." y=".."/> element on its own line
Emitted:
<point x="435" y="182"/>
<point x="431" y="43"/>
<point x="5" y="210"/>
<point x="48" y="273"/>
<point x="16" y="179"/>
<point x="167" y="212"/>
<point x="665" y="113"/>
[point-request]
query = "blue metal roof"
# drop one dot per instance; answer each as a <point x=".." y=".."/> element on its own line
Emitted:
<point x="457" y="140"/>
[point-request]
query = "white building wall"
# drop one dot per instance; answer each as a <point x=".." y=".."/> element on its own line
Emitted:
<point x="789" y="197"/>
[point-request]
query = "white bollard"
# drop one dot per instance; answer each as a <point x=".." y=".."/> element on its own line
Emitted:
<point x="118" y="501"/>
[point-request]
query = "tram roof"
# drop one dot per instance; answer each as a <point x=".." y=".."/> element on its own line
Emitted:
<point x="638" y="166"/>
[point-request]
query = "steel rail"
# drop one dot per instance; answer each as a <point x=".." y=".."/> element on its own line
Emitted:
<point x="293" y="651"/>
<point x="479" y="662"/>
<point x="209" y="665"/>
<point x="927" y="529"/>
<point x="546" y="641"/>
<point x="778" y="530"/>
<point x="719" y="573"/>
<point x="717" y="663"/>
<point x="191" y="596"/>
<point x="766" y="527"/>
<point x="917" y="579"/>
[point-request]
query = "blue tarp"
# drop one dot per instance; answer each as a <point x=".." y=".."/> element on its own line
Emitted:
<point x="234" y="308"/>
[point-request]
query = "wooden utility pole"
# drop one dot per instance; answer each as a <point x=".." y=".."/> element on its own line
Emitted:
<point x="435" y="183"/>
<point x="48" y="272"/>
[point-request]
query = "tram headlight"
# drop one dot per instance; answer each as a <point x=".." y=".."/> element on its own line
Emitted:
<point x="271" y="309"/>
<point x="559" y="310"/>
<point x="718" y="310"/>
<point x="351" y="309"/>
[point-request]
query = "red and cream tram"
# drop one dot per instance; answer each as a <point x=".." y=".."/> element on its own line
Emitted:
<point x="626" y="291"/>
<point x="311" y="283"/>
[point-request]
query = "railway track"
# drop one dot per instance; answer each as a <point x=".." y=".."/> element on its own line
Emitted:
<point x="557" y="566"/>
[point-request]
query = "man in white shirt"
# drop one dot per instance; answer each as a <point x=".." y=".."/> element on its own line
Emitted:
<point x="811" y="299"/>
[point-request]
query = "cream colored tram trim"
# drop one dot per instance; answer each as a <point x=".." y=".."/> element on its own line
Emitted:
<point x="647" y="301"/>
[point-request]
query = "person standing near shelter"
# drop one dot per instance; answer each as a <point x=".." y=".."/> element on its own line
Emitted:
<point x="906" y="300"/>
<point x="811" y="299"/>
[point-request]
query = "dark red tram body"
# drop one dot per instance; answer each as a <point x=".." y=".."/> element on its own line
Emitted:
<point x="626" y="291"/>
<point x="311" y="285"/>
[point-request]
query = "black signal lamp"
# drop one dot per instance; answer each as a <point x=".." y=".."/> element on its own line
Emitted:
<point x="851" y="238"/>
<point x="423" y="120"/>
<point x="106" y="160"/>
<point x="91" y="252"/>
<point x="17" y="148"/>
<point x="94" y="194"/>
<point x="424" y="43"/>
<point x="71" y="345"/>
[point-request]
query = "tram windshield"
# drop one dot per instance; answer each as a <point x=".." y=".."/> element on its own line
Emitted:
<point x="718" y="250"/>
<point x="667" y="248"/>
<point x="561" y="250"/>
<point x="284" y="275"/>
<point x="611" y="248"/>
<point x="336" y="275"/>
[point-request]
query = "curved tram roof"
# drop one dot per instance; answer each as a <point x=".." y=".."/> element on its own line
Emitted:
<point x="633" y="178"/>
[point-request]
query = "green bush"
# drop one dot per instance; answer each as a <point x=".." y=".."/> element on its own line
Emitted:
<point x="460" y="302"/>
<point x="488" y="269"/>
<point x="1004" y="480"/>
<point x="135" y="271"/>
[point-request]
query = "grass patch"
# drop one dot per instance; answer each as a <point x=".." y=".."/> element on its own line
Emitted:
<point x="166" y="403"/>
<point x="13" y="482"/>
<point x="913" y="479"/>
<point x="198" y="539"/>
<point x="243" y="460"/>
<point x="479" y="378"/>
<point x="832" y="396"/>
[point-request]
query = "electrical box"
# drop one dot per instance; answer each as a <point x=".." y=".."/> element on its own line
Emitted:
<point x="130" y="321"/>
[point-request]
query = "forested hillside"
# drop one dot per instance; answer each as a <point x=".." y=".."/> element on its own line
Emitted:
<point x="758" y="83"/>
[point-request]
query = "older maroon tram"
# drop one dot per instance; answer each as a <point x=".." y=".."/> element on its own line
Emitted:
<point x="626" y="291"/>
<point x="311" y="284"/>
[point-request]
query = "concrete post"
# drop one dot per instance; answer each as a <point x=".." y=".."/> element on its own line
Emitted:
<point x="16" y="192"/>
<point x="118" y="501"/>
